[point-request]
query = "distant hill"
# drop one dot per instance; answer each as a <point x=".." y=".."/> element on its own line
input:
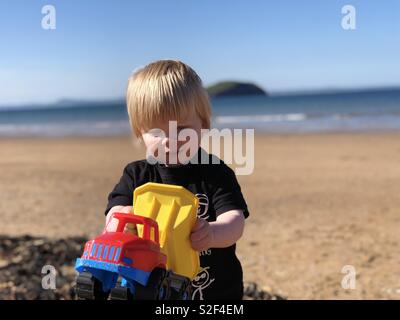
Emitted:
<point x="234" y="88"/>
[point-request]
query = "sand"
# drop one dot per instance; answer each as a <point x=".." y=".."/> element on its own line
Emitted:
<point x="318" y="202"/>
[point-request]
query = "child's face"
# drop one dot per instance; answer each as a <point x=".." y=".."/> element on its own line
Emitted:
<point x="174" y="148"/>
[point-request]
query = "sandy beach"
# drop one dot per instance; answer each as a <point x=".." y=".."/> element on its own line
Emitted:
<point x="317" y="203"/>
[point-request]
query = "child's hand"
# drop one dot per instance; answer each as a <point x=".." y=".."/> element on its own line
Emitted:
<point x="202" y="235"/>
<point x="111" y="226"/>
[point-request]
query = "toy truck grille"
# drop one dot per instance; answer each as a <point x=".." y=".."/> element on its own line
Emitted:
<point x="101" y="251"/>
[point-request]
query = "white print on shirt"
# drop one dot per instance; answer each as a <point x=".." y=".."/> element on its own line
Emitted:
<point x="203" y="206"/>
<point x="200" y="282"/>
<point x="205" y="252"/>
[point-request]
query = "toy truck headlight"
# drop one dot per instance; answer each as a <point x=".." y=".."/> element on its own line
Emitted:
<point x="127" y="261"/>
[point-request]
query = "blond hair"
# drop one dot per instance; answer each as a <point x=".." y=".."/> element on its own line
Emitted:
<point x="165" y="90"/>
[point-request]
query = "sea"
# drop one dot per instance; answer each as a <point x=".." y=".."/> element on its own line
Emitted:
<point x="344" y="111"/>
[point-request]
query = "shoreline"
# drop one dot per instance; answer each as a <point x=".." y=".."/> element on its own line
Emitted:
<point x="256" y="134"/>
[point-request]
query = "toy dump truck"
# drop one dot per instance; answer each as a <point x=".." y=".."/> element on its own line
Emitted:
<point x="156" y="263"/>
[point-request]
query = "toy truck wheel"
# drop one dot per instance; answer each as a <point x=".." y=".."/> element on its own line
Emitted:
<point x="163" y="290"/>
<point x="186" y="294"/>
<point x="121" y="293"/>
<point x="182" y="293"/>
<point x="157" y="288"/>
<point x="89" y="288"/>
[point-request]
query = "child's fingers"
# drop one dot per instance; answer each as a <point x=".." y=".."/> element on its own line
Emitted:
<point x="111" y="225"/>
<point x="130" y="228"/>
<point x="197" y="247"/>
<point x="200" y="245"/>
<point x="200" y="223"/>
<point x="198" y="235"/>
<point x="126" y="209"/>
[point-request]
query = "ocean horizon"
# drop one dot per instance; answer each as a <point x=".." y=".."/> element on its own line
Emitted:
<point x="347" y="111"/>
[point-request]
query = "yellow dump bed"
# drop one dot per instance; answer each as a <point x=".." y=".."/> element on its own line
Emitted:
<point x="175" y="210"/>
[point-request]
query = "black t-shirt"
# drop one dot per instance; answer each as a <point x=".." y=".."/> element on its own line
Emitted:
<point x="218" y="191"/>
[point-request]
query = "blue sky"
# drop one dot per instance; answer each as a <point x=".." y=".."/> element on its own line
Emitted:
<point x="280" y="45"/>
